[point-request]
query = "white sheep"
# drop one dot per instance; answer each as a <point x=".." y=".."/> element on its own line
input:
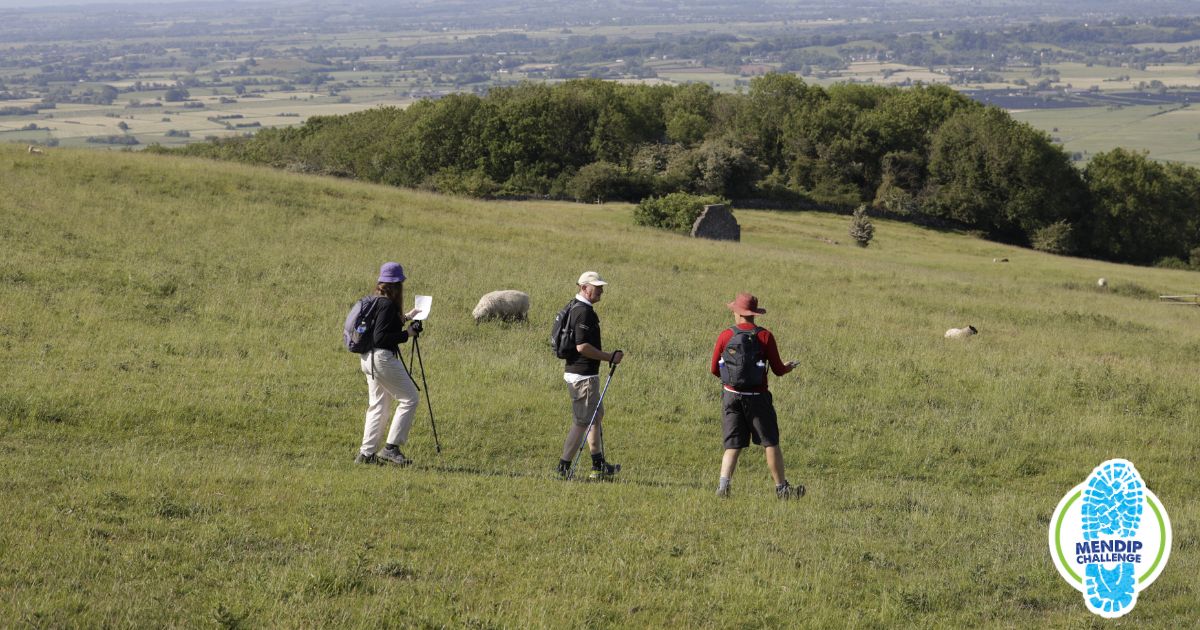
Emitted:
<point x="507" y="305"/>
<point x="961" y="333"/>
<point x="1102" y="283"/>
<point x="35" y="150"/>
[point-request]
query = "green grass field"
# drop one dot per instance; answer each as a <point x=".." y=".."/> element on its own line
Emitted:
<point x="1169" y="132"/>
<point x="178" y="416"/>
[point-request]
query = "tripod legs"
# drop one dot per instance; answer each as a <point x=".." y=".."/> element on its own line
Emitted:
<point x="425" y="386"/>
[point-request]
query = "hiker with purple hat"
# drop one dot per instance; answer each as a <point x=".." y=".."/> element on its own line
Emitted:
<point x="388" y="379"/>
<point x="740" y="358"/>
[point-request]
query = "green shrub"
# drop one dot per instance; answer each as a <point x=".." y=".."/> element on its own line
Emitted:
<point x="1055" y="238"/>
<point x="473" y="183"/>
<point x="716" y="167"/>
<point x="605" y="181"/>
<point x="526" y="182"/>
<point x="1171" y="262"/>
<point x="861" y="228"/>
<point x="775" y="187"/>
<point x="895" y="199"/>
<point x="676" y="211"/>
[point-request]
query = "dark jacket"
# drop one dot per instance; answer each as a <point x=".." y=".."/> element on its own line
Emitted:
<point x="587" y="330"/>
<point x="389" y="326"/>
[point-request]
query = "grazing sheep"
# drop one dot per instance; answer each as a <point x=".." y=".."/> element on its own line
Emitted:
<point x="507" y="305"/>
<point x="1102" y="283"/>
<point x="33" y="149"/>
<point x="961" y="333"/>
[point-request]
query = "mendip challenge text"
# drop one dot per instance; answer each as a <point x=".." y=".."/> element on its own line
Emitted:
<point x="1094" y="551"/>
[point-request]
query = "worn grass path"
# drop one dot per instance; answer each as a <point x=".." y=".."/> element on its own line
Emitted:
<point x="177" y="418"/>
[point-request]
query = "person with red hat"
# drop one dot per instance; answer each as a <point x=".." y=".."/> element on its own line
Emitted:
<point x="740" y="359"/>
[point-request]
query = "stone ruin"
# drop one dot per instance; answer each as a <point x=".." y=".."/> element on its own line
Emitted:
<point x="717" y="222"/>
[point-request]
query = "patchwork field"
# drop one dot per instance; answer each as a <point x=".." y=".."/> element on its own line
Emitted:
<point x="72" y="125"/>
<point x="178" y="419"/>
<point x="1165" y="132"/>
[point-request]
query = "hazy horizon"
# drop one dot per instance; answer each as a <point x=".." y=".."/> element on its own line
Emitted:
<point x="42" y="4"/>
<point x="1082" y="7"/>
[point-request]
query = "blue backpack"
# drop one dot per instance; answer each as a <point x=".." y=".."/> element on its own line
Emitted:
<point x="359" y="330"/>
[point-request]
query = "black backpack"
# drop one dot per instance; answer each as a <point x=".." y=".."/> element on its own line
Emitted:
<point x="562" y="332"/>
<point x="742" y="363"/>
<point x="359" y="330"/>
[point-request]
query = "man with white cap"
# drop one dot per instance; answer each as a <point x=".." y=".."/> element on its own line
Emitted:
<point x="582" y="374"/>
<point x="741" y="358"/>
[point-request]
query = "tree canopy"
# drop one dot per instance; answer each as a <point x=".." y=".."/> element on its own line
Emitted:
<point x="924" y="151"/>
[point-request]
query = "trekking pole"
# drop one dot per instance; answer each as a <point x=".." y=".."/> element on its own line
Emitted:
<point x="421" y="362"/>
<point x="595" y="412"/>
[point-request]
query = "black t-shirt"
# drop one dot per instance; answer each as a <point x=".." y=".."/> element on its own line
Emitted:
<point x="389" y="327"/>
<point x="587" y="330"/>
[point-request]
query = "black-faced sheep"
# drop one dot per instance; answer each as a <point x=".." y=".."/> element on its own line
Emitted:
<point x="961" y="333"/>
<point x="507" y="305"/>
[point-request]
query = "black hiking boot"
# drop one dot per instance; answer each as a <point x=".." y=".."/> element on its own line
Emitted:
<point x="787" y="491"/>
<point x="562" y="470"/>
<point x="365" y="459"/>
<point x="604" y="471"/>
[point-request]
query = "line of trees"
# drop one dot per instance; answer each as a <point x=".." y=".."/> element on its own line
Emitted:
<point x="928" y="153"/>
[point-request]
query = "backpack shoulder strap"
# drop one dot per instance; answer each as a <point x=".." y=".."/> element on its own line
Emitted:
<point x="574" y="306"/>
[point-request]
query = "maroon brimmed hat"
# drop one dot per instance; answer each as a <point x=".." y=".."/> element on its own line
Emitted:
<point x="745" y="305"/>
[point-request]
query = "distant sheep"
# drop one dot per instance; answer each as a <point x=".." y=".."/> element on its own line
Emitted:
<point x="33" y="149"/>
<point x="961" y="333"/>
<point x="507" y="305"/>
<point x="1102" y="283"/>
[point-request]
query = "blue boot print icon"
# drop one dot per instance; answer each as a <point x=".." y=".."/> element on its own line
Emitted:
<point x="1112" y="506"/>
<point x="1110" y="538"/>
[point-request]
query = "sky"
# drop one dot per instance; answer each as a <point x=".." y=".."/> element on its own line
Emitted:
<point x="15" y="4"/>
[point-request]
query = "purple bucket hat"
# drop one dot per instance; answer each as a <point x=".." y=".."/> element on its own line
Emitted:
<point x="391" y="272"/>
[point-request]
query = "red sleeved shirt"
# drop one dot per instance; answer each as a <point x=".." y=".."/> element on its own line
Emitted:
<point x="770" y="349"/>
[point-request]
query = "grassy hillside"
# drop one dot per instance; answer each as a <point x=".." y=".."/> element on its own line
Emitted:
<point x="179" y="419"/>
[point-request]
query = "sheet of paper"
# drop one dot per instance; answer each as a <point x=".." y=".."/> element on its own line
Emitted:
<point x="422" y="303"/>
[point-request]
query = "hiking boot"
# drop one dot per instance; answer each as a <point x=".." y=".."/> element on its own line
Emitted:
<point x="393" y="456"/>
<point x="365" y="459"/>
<point x="788" y="491"/>
<point x="604" y="471"/>
<point x="723" y="492"/>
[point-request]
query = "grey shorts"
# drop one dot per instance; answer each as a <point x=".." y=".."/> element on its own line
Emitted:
<point x="749" y="418"/>
<point x="585" y="395"/>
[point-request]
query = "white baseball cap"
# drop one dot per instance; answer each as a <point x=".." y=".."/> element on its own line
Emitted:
<point x="592" y="278"/>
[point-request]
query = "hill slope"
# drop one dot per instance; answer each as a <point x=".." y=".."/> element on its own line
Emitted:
<point x="179" y="419"/>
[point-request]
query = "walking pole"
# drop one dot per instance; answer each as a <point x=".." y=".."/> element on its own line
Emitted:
<point x="571" y="473"/>
<point x="420" y="362"/>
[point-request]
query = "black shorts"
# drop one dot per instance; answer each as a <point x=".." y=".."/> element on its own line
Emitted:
<point x="749" y="417"/>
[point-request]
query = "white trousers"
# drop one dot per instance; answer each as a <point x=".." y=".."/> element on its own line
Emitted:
<point x="387" y="381"/>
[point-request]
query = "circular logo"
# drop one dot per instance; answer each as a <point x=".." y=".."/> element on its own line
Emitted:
<point x="1110" y="538"/>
